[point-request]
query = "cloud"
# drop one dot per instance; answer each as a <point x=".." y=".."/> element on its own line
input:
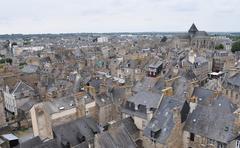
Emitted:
<point x="34" y="16"/>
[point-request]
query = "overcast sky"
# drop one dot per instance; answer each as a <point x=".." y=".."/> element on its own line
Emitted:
<point x="62" y="16"/>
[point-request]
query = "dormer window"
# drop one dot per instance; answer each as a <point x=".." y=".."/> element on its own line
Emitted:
<point x="142" y="108"/>
<point x="156" y="134"/>
<point x="130" y="105"/>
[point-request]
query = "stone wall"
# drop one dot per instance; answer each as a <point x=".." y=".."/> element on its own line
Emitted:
<point x="2" y="113"/>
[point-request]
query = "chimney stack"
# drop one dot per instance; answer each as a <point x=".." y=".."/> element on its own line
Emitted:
<point x="176" y="115"/>
<point x="80" y="104"/>
<point x="168" y="91"/>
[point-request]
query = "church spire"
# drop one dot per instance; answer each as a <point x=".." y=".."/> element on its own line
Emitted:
<point x="193" y="29"/>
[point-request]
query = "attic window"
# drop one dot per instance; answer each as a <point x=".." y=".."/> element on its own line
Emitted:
<point x="226" y="128"/>
<point x="155" y="134"/>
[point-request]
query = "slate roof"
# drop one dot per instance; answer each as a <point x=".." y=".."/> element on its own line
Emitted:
<point x="103" y="99"/>
<point x="132" y="64"/>
<point x="30" y="143"/>
<point x="105" y="140"/>
<point x="116" y="138"/>
<point x="159" y="86"/>
<point x="71" y="132"/>
<point x="185" y="36"/>
<point x="54" y="106"/>
<point x="147" y="98"/>
<point x="193" y="32"/>
<point x="190" y="75"/>
<point x="156" y="64"/>
<point x="200" y="34"/>
<point x="95" y="83"/>
<point x="82" y="145"/>
<point x="143" y="101"/>
<point x="129" y="125"/>
<point x="180" y="87"/>
<point x="234" y="80"/>
<point x="48" y="144"/>
<point x="118" y="94"/>
<point x="203" y="95"/>
<point x="163" y="119"/>
<point x="21" y="86"/>
<point x="215" y="121"/>
<point x="193" y="29"/>
<point x="30" y="69"/>
<point x="28" y="105"/>
<point x="200" y="60"/>
<point x="146" y="84"/>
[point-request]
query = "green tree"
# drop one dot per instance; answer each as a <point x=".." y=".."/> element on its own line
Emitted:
<point x="164" y="39"/>
<point x="2" y="61"/>
<point x="236" y="46"/>
<point x="219" y="47"/>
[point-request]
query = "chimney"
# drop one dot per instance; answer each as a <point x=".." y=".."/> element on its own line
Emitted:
<point x="193" y="99"/>
<point x="237" y="121"/>
<point x="190" y="90"/>
<point x="103" y="87"/>
<point x="214" y="97"/>
<point x="176" y="115"/>
<point x="80" y="104"/>
<point x="91" y="90"/>
<point x="168" y="91"/>
<point x="193" y="103"/>
<point x="237" y="115"/>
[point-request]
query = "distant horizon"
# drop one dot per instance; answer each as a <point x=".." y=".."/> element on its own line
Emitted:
<point x="133" y="32"/>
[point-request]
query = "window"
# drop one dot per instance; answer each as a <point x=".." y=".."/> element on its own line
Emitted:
<point x="220" y="145"/>
<point x="210" y="141"/>
<point x="237" y="144"/>
<point x="192" y="136"/>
